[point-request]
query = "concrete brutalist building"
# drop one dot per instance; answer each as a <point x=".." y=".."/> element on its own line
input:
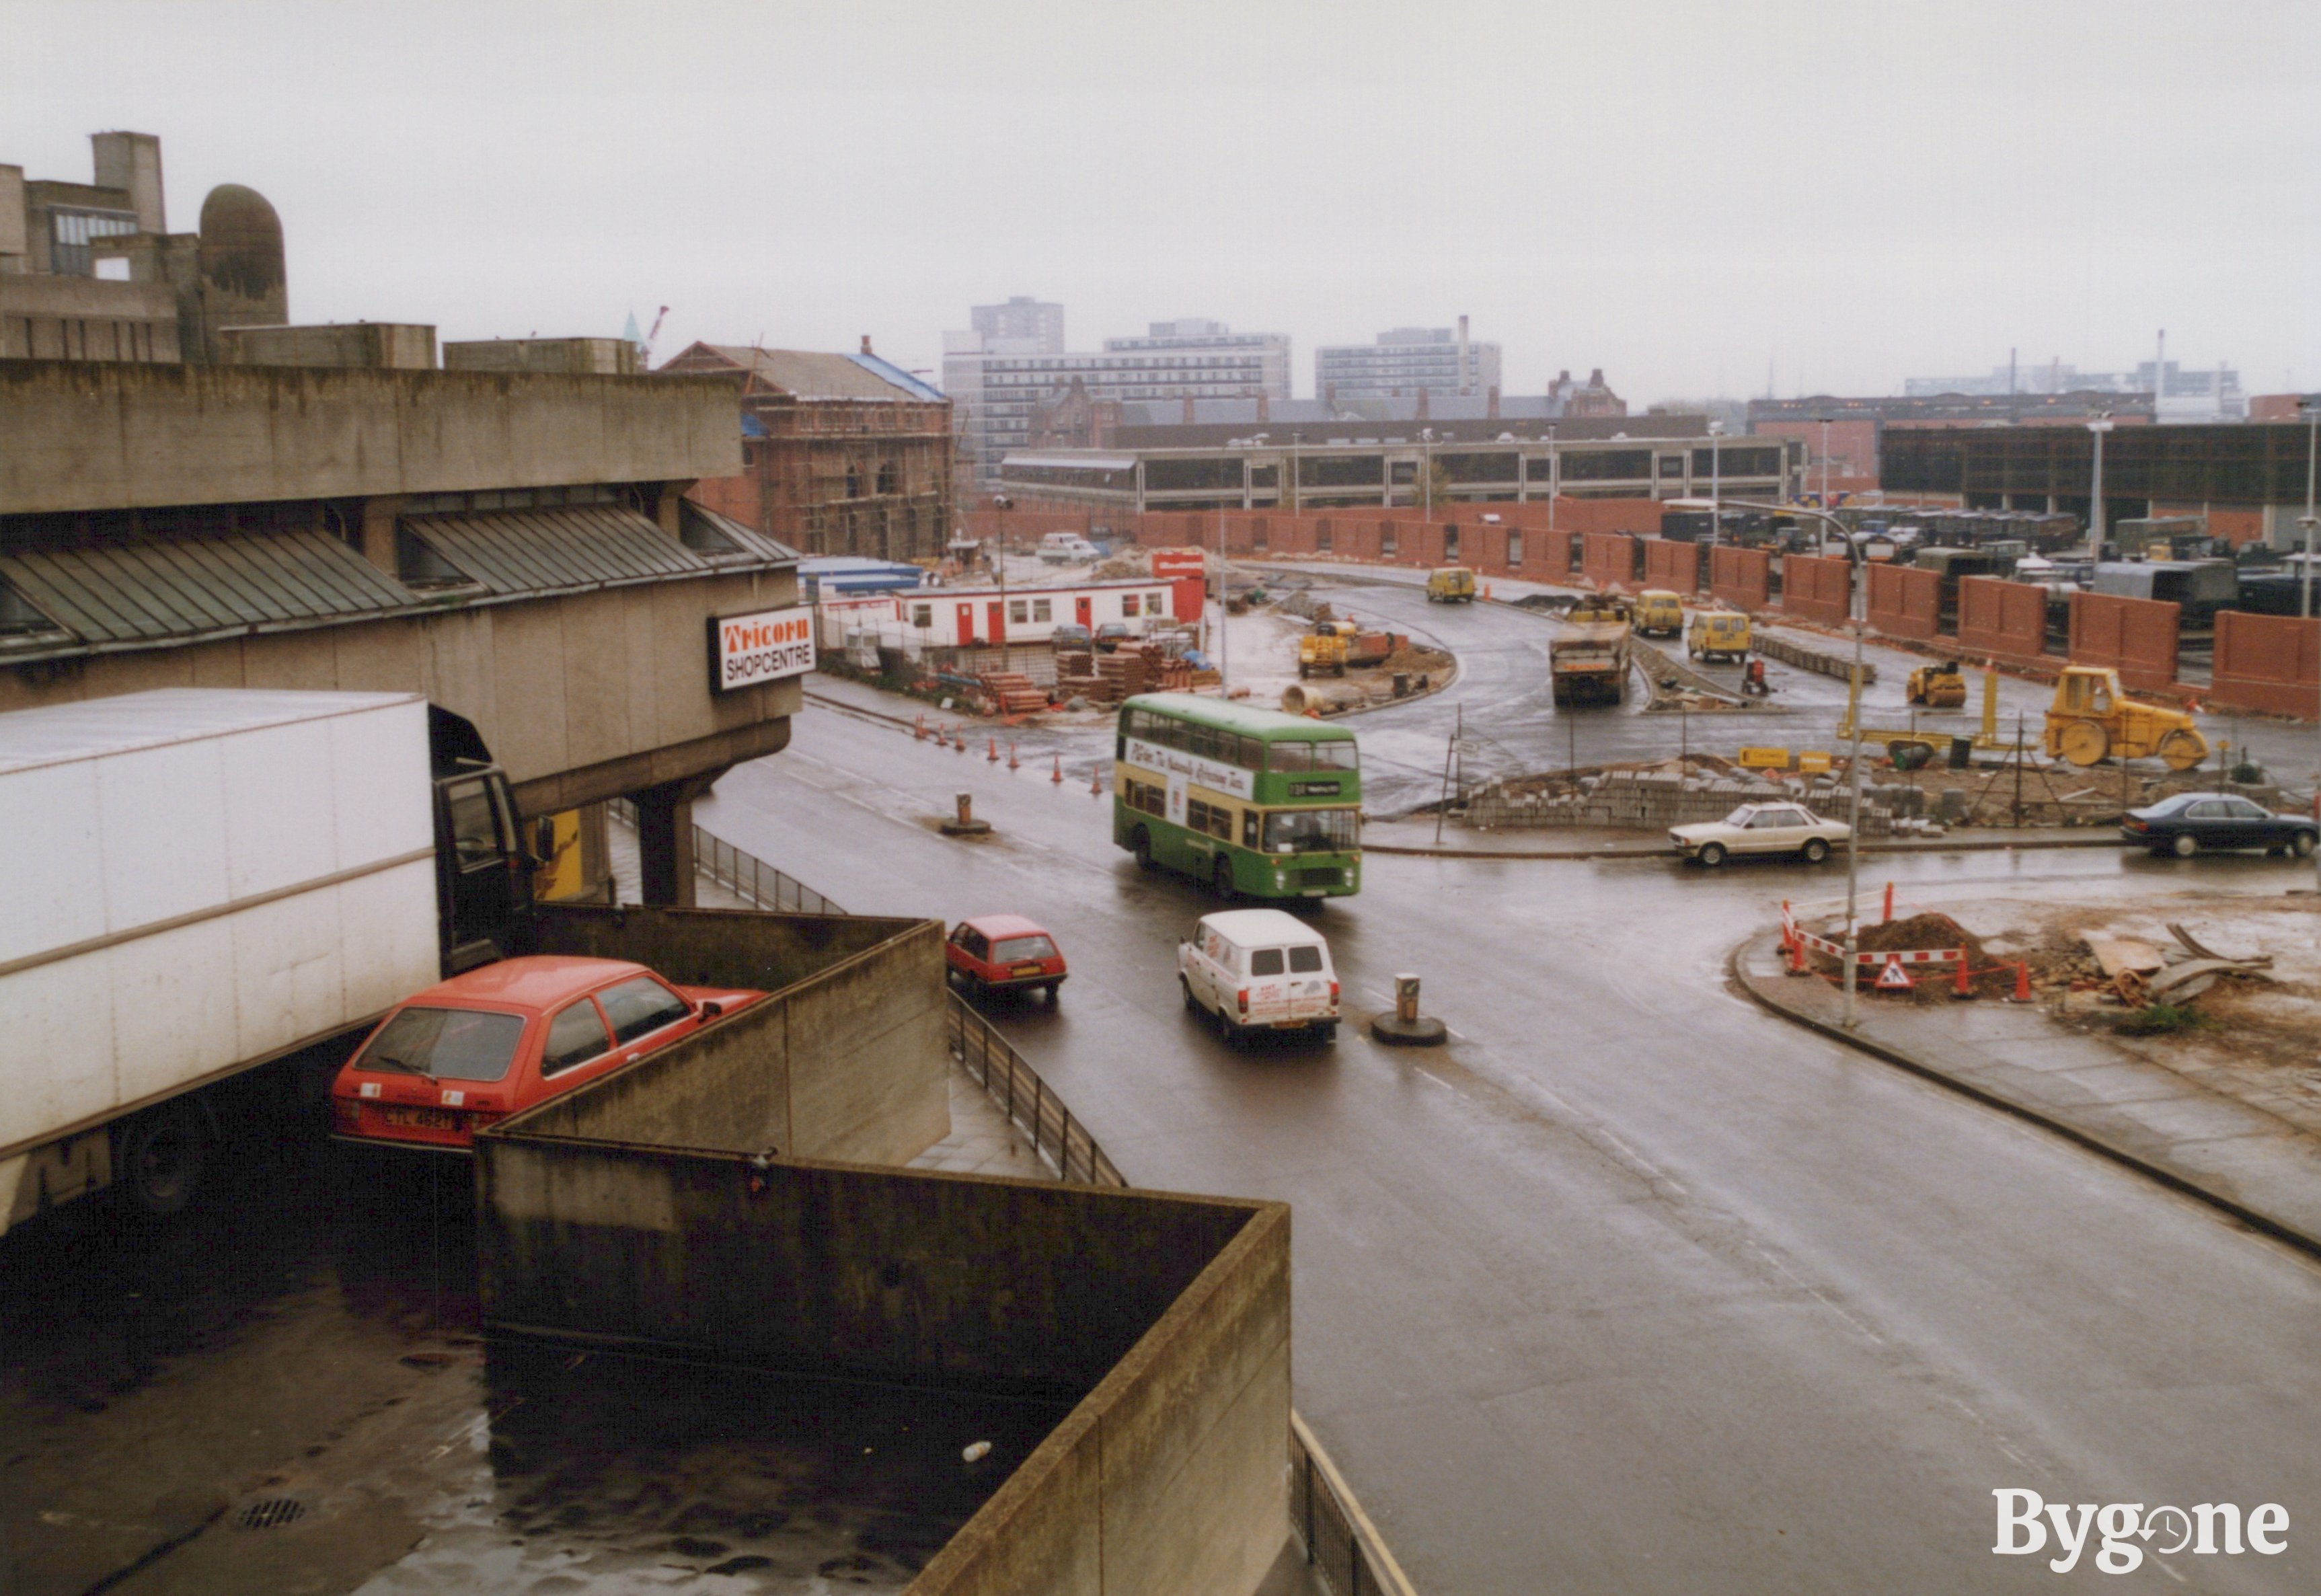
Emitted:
<point x="90" y="271"/>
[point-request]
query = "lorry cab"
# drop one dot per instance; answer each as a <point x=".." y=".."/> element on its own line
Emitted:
<point x="1451" y="584"/>
<point x="1660" y="613"/>
<point x="1718" y="634"/>
<point x="1260" y="968"/>
<point x="483" y="867"/>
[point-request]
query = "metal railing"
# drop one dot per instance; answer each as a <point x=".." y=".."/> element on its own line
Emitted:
<point x="742" y="874"/>
<point x="1068" y="1146"/>
<point x="1339" y="1538"/>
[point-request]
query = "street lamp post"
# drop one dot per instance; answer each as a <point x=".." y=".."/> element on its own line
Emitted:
<point x="1003" y="504"/>
<point x="1715" y="521"/>
<point x="1427" y="468"/>
<point x="1554" y="476"/>
<point x="2312" y="408"/>
<point x="2096" y="528"/>
<point x="1825" y="463"/>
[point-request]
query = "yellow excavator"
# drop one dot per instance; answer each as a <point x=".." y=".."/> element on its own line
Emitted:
<point x="1938" y="687"/>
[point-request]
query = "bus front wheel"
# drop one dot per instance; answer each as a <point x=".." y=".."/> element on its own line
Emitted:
<point x="1140" y="843"/>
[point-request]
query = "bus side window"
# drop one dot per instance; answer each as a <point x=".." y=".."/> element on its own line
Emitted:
<point x="1249" y="829"/>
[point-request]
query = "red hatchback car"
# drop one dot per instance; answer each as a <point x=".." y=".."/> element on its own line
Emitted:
<point x="482" y="1045"/>
<point x="1003" y="954"/>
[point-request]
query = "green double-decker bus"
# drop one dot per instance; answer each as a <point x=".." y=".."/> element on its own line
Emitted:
<point x="1255" y="803"/>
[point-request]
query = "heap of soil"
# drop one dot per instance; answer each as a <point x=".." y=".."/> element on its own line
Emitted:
<point x="1924" y="933"/>
<point x="1413" y="658"/>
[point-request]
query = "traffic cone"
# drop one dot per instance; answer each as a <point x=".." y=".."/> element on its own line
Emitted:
<point x="919" y="730"/>
<point x="1011" y="755"/>
<point x="1058" y="777"/>
<point x="958" y="741"/>
<point x="1888" y="919"/>
<point x="993" y="755"/>
<point x="1095" y="784"/>
<point x="2022" y="981"/>
<point x="1963" y="990"/>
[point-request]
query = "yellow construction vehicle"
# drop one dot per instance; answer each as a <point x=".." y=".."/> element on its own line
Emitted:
<point x="1658" y="612"/>
<point x="1451" y="584"/>
<point x="1938" y="687"/>
<point x="1916" y="745"/>
<point x="1324" y="648"/>
<point x="2091" y="721"/>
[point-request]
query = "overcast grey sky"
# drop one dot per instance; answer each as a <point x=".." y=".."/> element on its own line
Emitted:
<point x="1681" y="193"/>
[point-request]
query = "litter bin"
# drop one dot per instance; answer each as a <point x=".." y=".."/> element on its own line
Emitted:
<point x="1961" y="754"/>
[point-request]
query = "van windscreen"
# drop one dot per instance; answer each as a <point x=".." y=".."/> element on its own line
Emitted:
<point x="1265" y="962"/>
<point x="1306" y="961"/>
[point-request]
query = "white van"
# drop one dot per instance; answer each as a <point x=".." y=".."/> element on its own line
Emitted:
<point x="1259" y="969"/>
<point x="1061" y="548"/>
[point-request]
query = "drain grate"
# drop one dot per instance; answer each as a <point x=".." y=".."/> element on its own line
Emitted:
<point x="273" y="1511"/>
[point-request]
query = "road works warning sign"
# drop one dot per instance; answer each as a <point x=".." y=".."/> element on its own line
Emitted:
<point x="764" y="645"/>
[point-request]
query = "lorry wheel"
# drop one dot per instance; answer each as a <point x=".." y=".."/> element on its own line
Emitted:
<point x="1302" y="671"/>
<point x="1140" y="844"/>
<point x="1815" y="850"/>
<point x="2185" y="845"/>
<point x="1712" y="854"/>
<point x="158" y="1160"/>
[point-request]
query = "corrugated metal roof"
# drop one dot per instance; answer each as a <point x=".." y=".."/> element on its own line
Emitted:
<point x="131" y="592"/>
<point x="810" y="374"/>
<point x="511" y="551"/>
<point x="748" y="541"/>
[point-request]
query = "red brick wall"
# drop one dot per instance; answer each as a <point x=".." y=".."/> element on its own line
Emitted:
<point x="2268" y="662"/>
<point x="1672" y="565"/>
<point x="2137" y="636"/>
<point x="2001" y="620"/>
<point x="1904" y="602"/>
<point x="1609" y="560"/>
<point x="1741" y="578"/>
<point x="1815" y="589"/>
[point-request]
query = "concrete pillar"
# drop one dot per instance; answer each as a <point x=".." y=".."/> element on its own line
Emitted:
<point x="378" y="514"/>
<point x="665" y="863"/>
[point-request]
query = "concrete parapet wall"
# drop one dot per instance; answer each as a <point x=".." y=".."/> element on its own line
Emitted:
<point x="2137" y="636"/>
<point x="1167" y="1318"/>
<point x="88" y="435"/>
<point x="2001" y="620"/>
<point x="1904" y="602"/>
<point x="1815" y="590"/>
<point x="1741" y="578"/>
<point x="2270" y="663"/>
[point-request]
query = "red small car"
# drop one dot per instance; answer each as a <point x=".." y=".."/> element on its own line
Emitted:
<point x="1003" y="954"/>
<point x="482" y="1045"/>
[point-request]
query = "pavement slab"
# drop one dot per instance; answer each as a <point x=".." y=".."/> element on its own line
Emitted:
<point x="2226" y="1149"/>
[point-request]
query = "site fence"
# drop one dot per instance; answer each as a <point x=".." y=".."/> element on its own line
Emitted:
<point x="740" y="873"/>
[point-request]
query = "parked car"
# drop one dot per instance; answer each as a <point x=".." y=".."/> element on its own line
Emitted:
<point x="1259" y="968"/>
<point x="1071" y="634"/>
<point x="1761" y="828"/>
<point x="1113" y="633"/>
<point x="2215" y="822"/>
<point x="1003" y="954"/>
<point x="497" y="1039"/>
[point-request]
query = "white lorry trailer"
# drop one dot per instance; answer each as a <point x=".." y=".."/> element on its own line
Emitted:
<point x="200" y="881"/>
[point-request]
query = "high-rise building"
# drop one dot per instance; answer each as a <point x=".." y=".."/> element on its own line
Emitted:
<point x="1404" y="360"/>
<point x="997" y="380"/>
<point x="1037" y="321"/>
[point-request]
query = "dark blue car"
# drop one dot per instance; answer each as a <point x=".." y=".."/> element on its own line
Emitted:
<point x="2214" y="822"/>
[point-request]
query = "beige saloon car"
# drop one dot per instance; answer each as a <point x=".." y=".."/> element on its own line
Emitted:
<point x="1761" y="828"/>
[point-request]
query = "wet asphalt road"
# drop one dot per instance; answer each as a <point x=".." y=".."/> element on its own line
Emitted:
<point x="1633" y="1287"/>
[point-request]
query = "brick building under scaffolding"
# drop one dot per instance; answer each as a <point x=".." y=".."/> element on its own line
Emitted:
<point x="841" y="455"/>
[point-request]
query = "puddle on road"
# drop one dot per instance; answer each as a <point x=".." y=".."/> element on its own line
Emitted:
<point x="604" y="1473"/>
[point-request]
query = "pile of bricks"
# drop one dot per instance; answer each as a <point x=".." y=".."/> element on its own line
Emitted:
<point x="1122" y="674"/>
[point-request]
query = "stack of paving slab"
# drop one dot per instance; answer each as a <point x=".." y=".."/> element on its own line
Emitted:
<point x="1655" y="800"/>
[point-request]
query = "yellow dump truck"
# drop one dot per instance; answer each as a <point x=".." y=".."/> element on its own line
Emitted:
<point x="2091" y="720"/>
<point x="1587" y="664"/>
<point x="1451" y="584"/>
<point x="1718" y="634"/>
<point x="1658" y="612"/>
<point x="1324" y="648"/>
